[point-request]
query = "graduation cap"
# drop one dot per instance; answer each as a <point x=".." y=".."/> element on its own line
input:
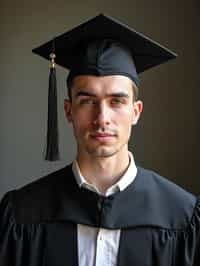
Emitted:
<point x="100" y="46"/>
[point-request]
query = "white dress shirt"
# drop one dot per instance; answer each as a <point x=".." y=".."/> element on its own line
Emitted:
<point x="98" y="246"/>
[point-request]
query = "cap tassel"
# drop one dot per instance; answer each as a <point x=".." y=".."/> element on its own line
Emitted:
<point x="52" y="146"/>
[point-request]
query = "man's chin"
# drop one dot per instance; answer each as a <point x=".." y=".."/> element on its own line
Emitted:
<point x="103" y="152"/>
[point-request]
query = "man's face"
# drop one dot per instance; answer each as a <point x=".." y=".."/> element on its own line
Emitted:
<point x="102" y="112"/>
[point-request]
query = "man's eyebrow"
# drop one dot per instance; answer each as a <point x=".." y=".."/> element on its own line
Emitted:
<point x="119" y="94"/>
<point x="114" y="94"/>
<point x="84" y="93"/>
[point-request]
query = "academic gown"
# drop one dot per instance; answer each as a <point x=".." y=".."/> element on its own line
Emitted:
<point x="159" y="221"/>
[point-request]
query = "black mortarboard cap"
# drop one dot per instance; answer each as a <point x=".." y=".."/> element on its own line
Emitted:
<point x="103" y="46"/>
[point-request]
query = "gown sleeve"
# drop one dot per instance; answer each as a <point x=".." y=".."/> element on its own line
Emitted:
<point x="7" y="231"/>
<point x="178" y="247"/>
<point x="21" y="244"/>
<point x="12" y="235"/>
<point x="186" y="247"/>
<point x="195" y="236"/>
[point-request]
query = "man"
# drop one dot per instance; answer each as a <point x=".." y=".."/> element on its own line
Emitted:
<point x="102" y="209"/>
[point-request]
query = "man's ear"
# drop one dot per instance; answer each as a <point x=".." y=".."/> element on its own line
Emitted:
<point x="68" y="110"/>
<point x="137" y="110"/>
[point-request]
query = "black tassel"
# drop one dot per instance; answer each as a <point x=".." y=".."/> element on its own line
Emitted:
<point x="52" y="146"/>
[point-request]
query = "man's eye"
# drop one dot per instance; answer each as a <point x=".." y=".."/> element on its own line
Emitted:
<point x="117" y="101"/>
<point x="87" y="101"/>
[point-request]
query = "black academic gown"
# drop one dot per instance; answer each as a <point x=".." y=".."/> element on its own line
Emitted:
<point x="159" y="221"/>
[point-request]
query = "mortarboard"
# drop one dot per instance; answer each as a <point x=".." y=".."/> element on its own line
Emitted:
<point x="100" y="46"/>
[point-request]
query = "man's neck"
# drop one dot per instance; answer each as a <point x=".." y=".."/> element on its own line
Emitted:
<point x="104" y="172"/>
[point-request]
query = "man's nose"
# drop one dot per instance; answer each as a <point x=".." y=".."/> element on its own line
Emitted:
<point x="102" y="115"/>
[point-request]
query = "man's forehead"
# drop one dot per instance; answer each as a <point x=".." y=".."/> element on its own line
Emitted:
<point x="103" y="85"/>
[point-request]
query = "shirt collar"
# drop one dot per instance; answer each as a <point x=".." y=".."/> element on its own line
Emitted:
<point x="123" y="183"/>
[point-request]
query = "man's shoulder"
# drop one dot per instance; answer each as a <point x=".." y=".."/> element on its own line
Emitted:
<point x="163" y="185"/>
<point x="38" y="199"/>
<point x="45" y="183"/>
<point x="174" y="204"/>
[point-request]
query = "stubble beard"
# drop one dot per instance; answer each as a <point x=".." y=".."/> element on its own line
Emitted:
<point x="104" y="151"/>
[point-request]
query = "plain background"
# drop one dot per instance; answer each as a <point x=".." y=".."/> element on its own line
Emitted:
<point x="167" y="137"/>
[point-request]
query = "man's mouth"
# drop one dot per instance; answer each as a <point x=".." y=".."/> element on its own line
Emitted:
<point x="103" y="135"/>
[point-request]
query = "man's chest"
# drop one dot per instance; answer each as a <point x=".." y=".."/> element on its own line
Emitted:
<point x="64" y="245"/>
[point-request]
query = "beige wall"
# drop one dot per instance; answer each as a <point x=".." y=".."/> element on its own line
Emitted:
<point x="167" y="137"/>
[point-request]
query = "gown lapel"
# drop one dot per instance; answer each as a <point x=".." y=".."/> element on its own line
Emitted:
<point x="137" y="252"/>
<point x="61" y="245"/>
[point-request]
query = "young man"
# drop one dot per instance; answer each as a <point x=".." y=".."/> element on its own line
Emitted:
<point x="102" y="209"/>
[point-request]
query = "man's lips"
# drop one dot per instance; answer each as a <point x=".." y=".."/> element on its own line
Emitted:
<point x="102" y="136"/>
